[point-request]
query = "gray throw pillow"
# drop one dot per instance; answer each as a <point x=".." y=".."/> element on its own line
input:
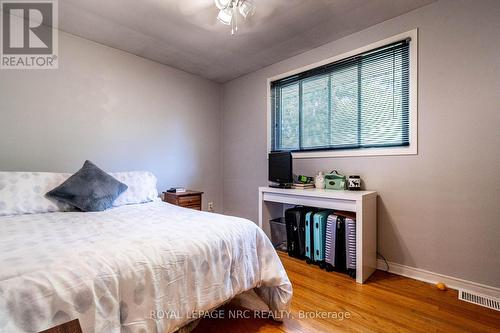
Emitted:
<point x="90" y="189"/>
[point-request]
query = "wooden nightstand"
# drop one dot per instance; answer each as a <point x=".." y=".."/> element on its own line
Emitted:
<point x="188" y="199"/>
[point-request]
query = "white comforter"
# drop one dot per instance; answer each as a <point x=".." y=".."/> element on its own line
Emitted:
<point x="137" y="268"/>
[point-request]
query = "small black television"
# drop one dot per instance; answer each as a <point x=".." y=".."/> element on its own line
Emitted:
<point x="280" y="169"/>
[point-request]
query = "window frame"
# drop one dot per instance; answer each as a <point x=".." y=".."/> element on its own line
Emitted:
<point x="411" y="149"/>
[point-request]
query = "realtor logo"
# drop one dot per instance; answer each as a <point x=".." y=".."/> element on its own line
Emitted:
<point x="29" y="34"/>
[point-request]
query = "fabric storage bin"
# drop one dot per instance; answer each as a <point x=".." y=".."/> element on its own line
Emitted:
<point x="278" y="233"/>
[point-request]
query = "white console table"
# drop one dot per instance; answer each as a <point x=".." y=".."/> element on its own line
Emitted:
<point x="273" y="202"/>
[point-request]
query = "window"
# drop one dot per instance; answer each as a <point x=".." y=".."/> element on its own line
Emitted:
<point x="360" y="101"/>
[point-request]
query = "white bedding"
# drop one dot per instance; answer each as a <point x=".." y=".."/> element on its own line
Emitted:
<point x="112" y="270"/>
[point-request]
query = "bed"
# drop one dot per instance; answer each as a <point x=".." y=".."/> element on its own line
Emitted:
<point x="150" y="267"/>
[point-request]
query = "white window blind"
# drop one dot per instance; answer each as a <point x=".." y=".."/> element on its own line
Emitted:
<point x="358" y="102"/>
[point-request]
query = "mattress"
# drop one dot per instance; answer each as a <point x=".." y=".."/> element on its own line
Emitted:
<point x="140" y="268"/>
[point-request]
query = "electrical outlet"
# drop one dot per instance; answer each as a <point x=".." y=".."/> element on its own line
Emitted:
<point x="210" y="206"/>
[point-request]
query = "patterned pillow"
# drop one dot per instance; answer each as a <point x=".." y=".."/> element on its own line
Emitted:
<point x="24" y="192"/>
<point x="90" y="189"/>
<point x="141" y="187"/>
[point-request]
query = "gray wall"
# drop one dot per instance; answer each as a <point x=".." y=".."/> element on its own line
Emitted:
<point x="439" y="210"/>
<point x="118" y="110"/>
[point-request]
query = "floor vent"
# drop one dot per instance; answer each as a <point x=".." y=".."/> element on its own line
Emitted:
<point x="486" y="301"/>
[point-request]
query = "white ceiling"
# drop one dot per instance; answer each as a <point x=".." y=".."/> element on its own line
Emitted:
<point x="185" y="33"/>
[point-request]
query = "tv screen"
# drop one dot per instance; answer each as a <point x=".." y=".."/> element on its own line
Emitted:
<point x="280" y="167"/>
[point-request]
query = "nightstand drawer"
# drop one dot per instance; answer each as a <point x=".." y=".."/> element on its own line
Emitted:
<point x="197" y="207"/>
<point x="190" y="200"/>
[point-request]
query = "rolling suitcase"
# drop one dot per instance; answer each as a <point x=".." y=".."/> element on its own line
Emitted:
<point x="314" y="236"/>
<point x="308" y="237"/>
<point x="330" y="236"/>
<point x="319" y="236"/>
<point x="350" y="241"/>
<point x="335" y="245"/>
<point x="295" y="230"/>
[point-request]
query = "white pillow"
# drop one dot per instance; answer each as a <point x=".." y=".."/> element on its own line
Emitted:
<point x="141" y="187"/>
<point x="24" y="192"/>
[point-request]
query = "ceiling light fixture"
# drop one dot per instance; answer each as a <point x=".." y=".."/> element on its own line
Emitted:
<point x="229" y="9"/>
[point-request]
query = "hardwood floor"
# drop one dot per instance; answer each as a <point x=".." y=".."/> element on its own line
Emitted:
<point x="386" y="303"/>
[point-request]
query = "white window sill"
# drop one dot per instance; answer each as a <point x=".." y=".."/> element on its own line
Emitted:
<point x="386" y="151"/>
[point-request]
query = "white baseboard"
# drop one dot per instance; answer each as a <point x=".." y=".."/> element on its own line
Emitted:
<point x="431" y="277"/>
